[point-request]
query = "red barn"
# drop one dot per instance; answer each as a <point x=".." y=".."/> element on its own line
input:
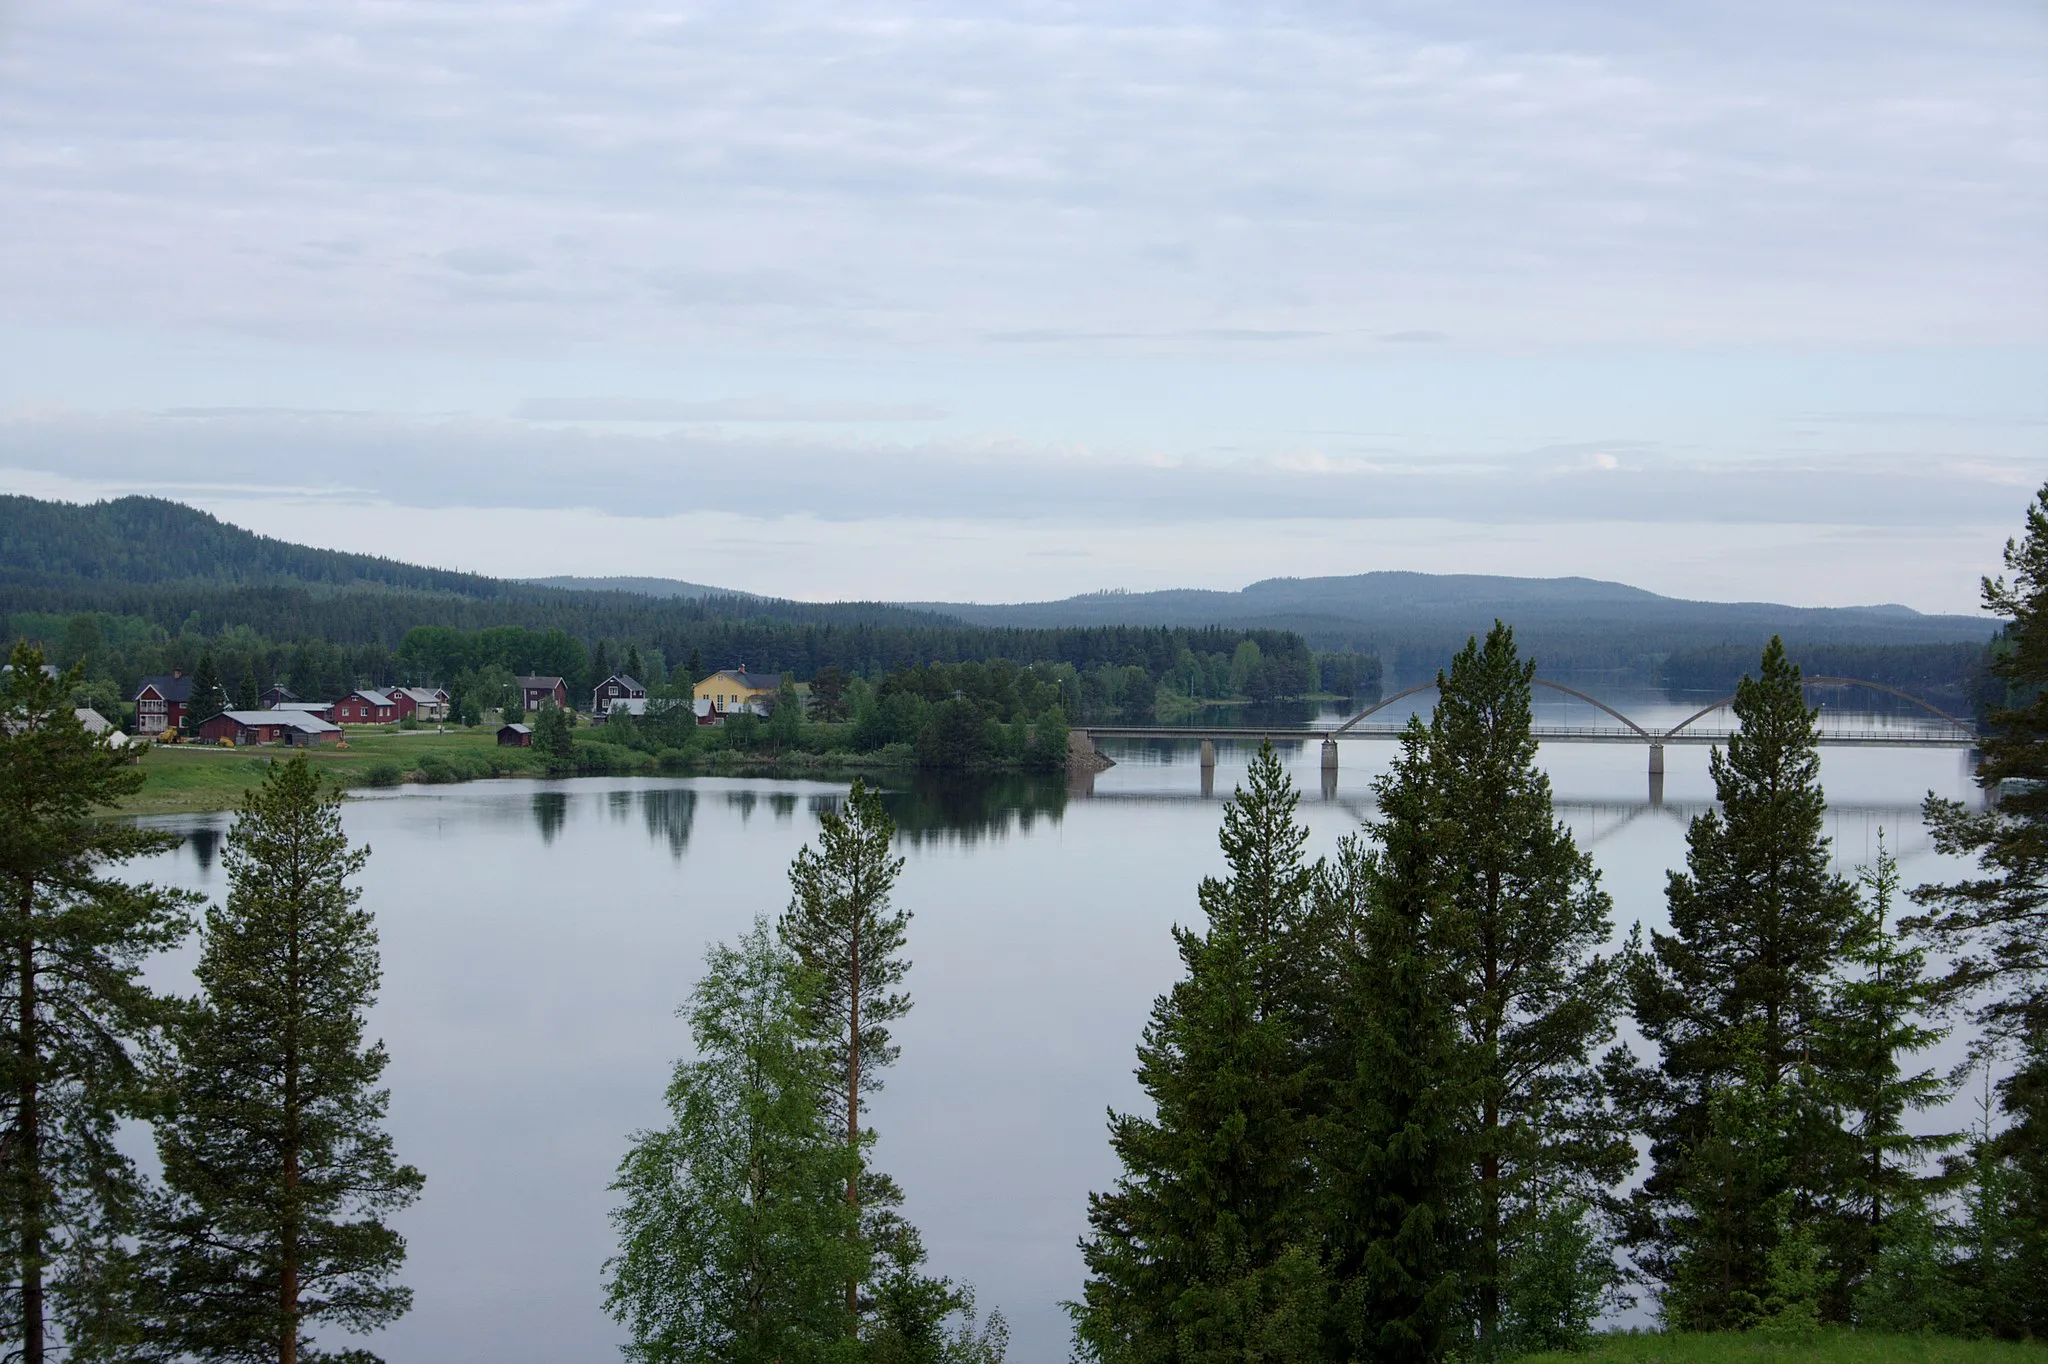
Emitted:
<point x="366" y="707"/>
<point x="515" y="736"/>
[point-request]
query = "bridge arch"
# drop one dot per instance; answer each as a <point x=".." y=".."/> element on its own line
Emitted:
<point x="1647" y="736"/>
<point x="1928" y="706"/>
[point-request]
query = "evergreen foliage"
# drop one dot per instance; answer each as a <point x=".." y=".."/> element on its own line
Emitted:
<point x="1397" y="1159"/>
<point x="554" y="732"/>
<point x="75" y="1018"/>
<point x="1736" y="999"/>
<point x="736" y="1238"/>
<point x="1882" y="1017"/>
<point x="278" y="1169"/>
<point x="1996" y="923"/>
<point x="209" y="697"/>
<point x="1517" y="936"/>
<point x="1206" y="1249"/>
<point x="843" y="927"/>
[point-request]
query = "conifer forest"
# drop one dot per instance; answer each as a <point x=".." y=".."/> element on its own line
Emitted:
<point x="1431" y="1096"/>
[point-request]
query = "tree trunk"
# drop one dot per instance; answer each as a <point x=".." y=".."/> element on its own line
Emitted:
<point x="30" y="1155"/>
<point x="289" y="1251"/>
<point x="853" y="1095"/>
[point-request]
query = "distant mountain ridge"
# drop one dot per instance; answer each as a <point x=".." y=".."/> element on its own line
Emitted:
<point x="644" y="587"/>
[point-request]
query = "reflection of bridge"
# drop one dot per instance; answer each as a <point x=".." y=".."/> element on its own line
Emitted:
<point x="1955" y="734"/>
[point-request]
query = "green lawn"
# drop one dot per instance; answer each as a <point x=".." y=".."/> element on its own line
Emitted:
<point x="1842" y="1347"/>
<point x="191" y="777"/>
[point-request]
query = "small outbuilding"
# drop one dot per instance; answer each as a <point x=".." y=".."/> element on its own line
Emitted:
<point x="515" y="736"/>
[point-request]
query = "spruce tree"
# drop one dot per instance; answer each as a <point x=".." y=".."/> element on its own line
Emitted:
<point x="736" y="1238"/>
<point x="75" y="1017"/>
<point x="246" y="695"/>
<point x="1517" y="937"/>
<point x="209" y="697"/>
<point x="1207" y="1248"/>
<point x="1394" y="1158"/>
<point x="843" y="927"/>
<point x="1882" y="1016"/>
<point x="1996" y="923"/>
<point x="1737" y="996"/>
<point x="278" y="1168"/>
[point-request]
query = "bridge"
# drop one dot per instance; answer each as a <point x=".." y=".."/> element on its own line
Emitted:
<point x="1953" y="733"/>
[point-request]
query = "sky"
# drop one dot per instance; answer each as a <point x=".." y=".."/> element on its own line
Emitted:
<point x="1008" y="301"/>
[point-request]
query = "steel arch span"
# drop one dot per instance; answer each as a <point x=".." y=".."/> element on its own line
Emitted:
<point x="1657" y="739"/>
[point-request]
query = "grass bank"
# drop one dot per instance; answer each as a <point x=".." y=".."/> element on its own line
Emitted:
<point x="193" y="778"/>
<point x="1843" y="1347"/>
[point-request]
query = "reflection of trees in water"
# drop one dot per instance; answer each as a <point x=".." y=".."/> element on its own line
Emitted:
<point x="669" y="812"/>
<point x="550" y="812"/>
<point x="620" y="803"/>
<point x="744" y="802"/>
<point x="204" y="842"/>
<point x="940" y="806"/>
<point x="783" y="804"/>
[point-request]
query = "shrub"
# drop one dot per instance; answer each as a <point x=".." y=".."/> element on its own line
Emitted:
<point x="384" y="774"/>
<point x="438" y="770"/>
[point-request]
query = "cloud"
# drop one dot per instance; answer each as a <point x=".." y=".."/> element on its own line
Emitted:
<point x="452" y="462"/>
<point x="487" y="261"/>
<point x="764" y="409"/>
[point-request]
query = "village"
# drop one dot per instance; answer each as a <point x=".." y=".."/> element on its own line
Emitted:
<point x="165" y="707"/>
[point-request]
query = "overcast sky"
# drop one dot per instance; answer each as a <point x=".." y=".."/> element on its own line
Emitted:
<point x="1007" y="301"/>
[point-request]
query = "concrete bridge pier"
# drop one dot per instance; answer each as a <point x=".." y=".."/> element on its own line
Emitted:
<point x="1656" y="759"/>
<point x="1330" y="757"/>
<point x="1208" y="769"/>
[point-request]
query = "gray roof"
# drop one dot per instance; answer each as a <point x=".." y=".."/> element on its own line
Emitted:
<point x="170" y="688"/>
<point x="544" y="682"/>
<point x="289" y="719"/>
<point x="516" y="729"/>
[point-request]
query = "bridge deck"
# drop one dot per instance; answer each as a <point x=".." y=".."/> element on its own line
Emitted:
<point x="1569" y="734"/>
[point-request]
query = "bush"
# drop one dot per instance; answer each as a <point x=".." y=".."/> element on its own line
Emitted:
<point x="438" y="770"/>
<point x="384" y="774"/>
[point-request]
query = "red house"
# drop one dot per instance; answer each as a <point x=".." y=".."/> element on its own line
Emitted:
<point x="425" y="703"/>
<point x="365" y="707"/>
<point x="160" y="702"/>
<point x="534" y="690"/>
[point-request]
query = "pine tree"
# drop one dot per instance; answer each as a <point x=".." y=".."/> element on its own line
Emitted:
<point x="736" y="1239"/>
<point x="1517" y="936"/>
<point x="209" y="697"/>
<point x="554" y="732"/>
<point x="1996" y="923"/>
<point x="842" y="926"/>
<point x="278" y="1168"/>
<point x="635" y="669"/>
<point x="696" y="666"/>
<point x="1880" y="1018"/>
<point x="1206" y="1248"/>
<point x="1395" y="1163"/>
<point x="1737" y="995"/>
<point x="600" y="664"/>
<point x="246" y="695"/>
<point x="74" y="1014"/>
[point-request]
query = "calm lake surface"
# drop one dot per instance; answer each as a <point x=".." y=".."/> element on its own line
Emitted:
<point x="539" y="936"/>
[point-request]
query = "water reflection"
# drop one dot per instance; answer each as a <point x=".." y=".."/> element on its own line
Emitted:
<point x="204" y="842"/>
<point x="968" y="808"/>
<point x="784" y="806"/>
<point x="669" y="812"/>
<point x="550" y="813"/>
<point x="744" y="802"/>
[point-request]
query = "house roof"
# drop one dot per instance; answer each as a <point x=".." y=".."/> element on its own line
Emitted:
<point x="169" y="688"/>
<point x="423" y="695"/>
<point x="374" y="697"/>
<point x="516" y="729"/>
<point x="734" y="678"/>
<point x="540" y="683"/>
<point x="308" y="706"/>
<point x="622" y="677"/>
<point x="281" y="692"/>
<point x="288" y="719"/>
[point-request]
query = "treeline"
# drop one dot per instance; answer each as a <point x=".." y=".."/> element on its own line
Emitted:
<point x="1948" y="675"/>
<point x="1390" y="1117"/>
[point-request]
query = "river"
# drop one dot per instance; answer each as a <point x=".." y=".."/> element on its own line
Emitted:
<point x="539" y="936"/>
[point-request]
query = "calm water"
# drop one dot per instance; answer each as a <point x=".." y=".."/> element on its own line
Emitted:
<point x="538" y="938"/>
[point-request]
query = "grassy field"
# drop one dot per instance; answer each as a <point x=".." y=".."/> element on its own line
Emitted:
<point x="1828" y="1348"/>
<point x="191" y="777"/>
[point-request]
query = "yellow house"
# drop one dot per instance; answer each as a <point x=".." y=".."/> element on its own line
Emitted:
<point x="731" y="689"/>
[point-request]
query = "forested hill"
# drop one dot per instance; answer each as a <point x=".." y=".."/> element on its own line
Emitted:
<point x="1416" y="620"/>
<point x="646" y="587"/>
<point x="151" y="540"/>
